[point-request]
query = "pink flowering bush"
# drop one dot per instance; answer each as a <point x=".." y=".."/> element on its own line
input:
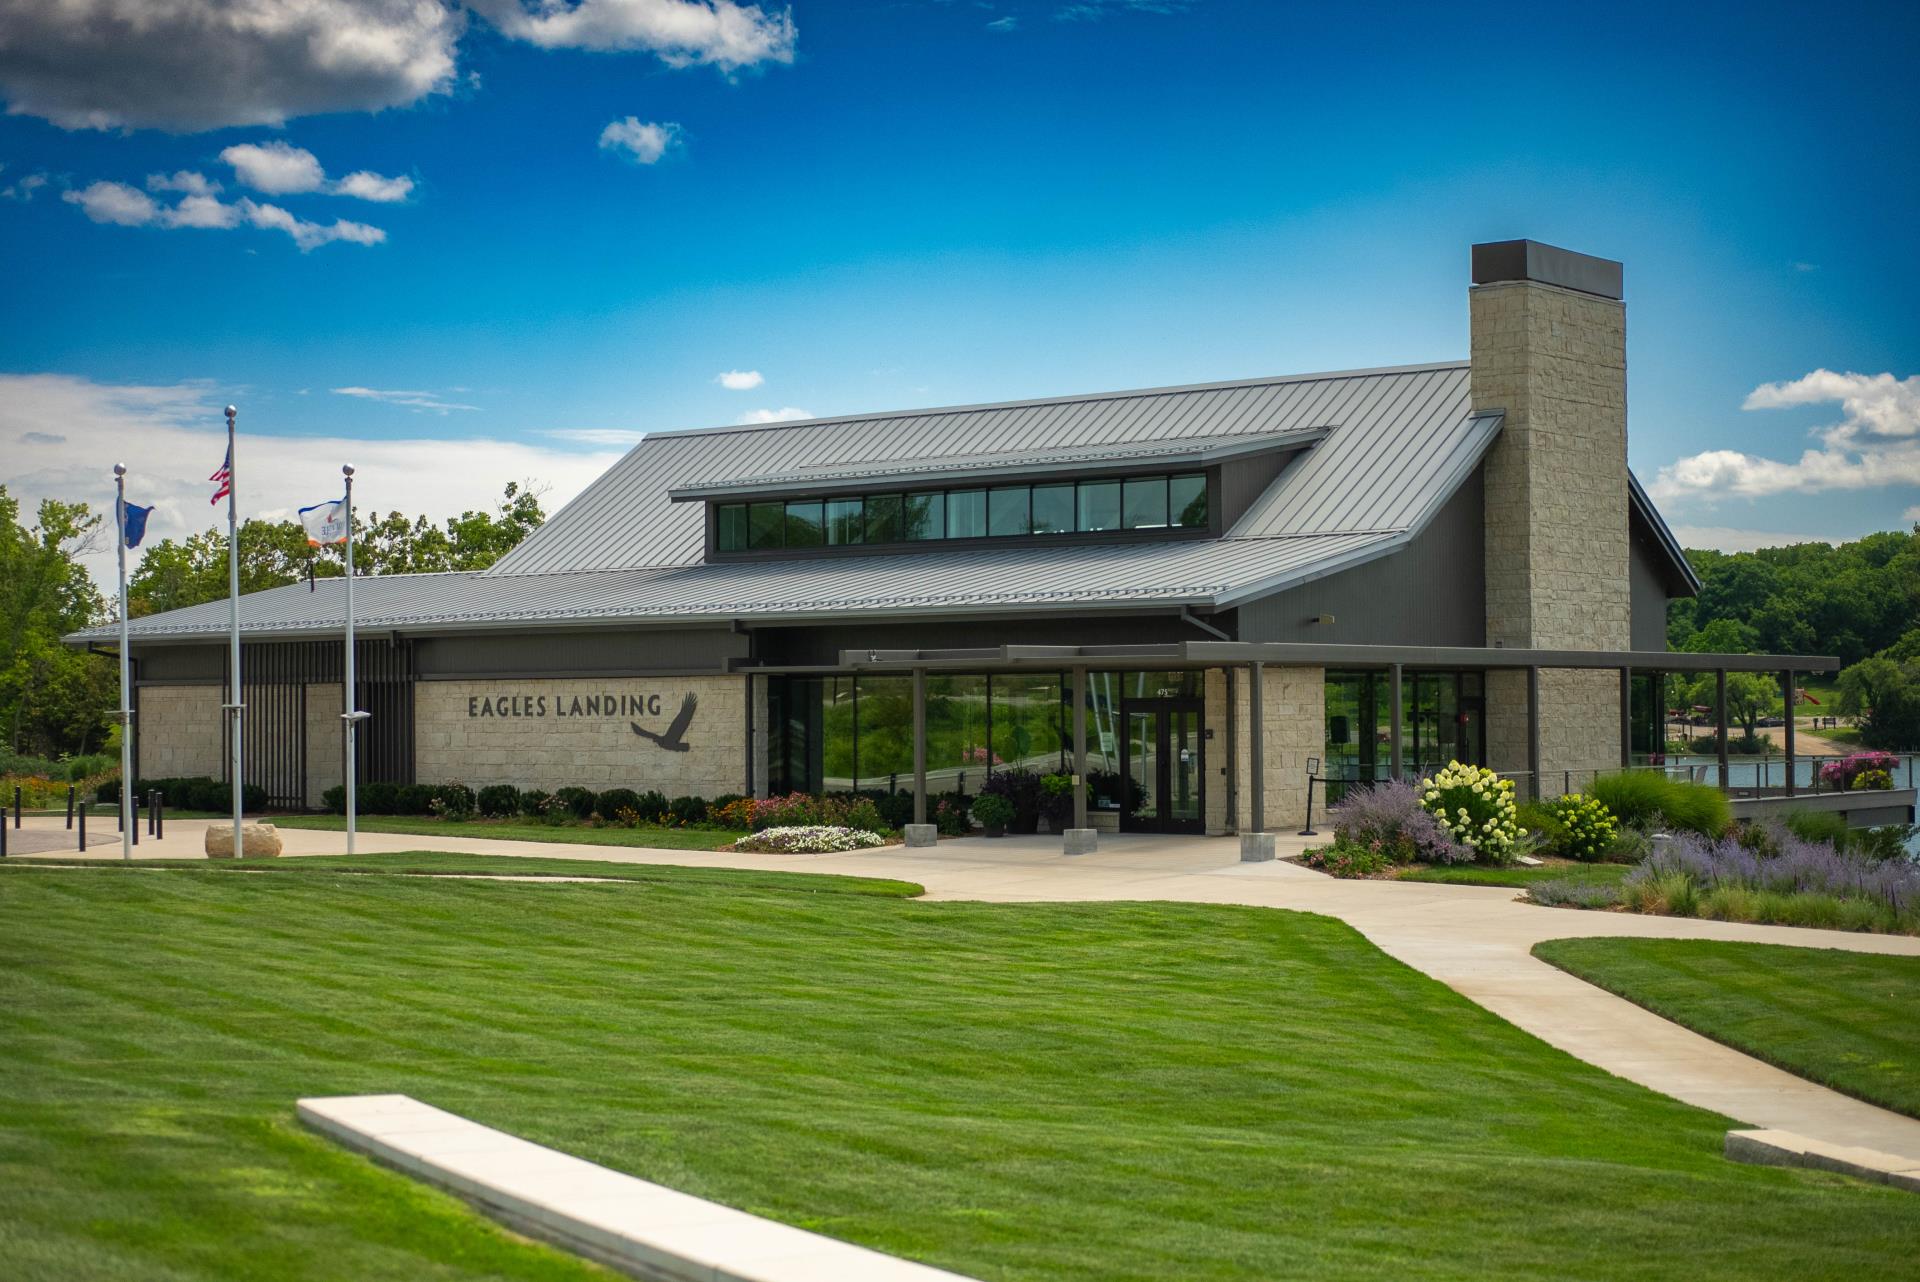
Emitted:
<point x="1847" y="771"/>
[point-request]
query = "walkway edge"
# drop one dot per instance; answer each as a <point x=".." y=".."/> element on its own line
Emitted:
<point x="644" y="1230"/>
<point x="1784" y="1148"/>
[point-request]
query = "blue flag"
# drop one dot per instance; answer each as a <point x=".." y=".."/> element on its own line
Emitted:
<point x="133" y="523"/>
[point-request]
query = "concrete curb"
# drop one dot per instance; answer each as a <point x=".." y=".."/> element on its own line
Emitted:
<point x="644" y="1230"/>
<point x="1784" y="1148"/>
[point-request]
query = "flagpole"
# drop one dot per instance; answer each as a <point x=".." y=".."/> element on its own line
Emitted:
<point x="234" y="706"/>
<point x="126" y="701"/>
<point x="352" y="715"/>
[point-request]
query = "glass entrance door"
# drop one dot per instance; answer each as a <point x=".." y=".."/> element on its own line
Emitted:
<point x="1163" y="760"/>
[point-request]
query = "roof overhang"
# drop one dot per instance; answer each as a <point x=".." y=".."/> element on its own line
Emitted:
<point x="1195" y="654"/>
<point x="1190" y="452"/>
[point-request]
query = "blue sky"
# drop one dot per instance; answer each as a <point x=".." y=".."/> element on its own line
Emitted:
<point x="887" y="205"/>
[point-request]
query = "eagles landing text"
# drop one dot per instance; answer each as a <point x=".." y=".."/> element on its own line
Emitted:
<point x="579" y="705"/>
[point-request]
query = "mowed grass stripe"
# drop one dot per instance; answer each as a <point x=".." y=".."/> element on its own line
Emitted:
<point x="1844" y="1019"/>
<point x="1016" y="1092"/>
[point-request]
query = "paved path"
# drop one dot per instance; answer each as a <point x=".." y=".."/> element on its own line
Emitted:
<point x="1474" y="939"/>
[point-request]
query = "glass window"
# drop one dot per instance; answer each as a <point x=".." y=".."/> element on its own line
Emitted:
<point x="846" y="521"/>
<point x="1144" y="503"/>
<point x="1188" y="501"/>
<point x="1026" y="720"/>
<point x="1052" y="509"/>
<point x="1010" y="510"/>
<point x="766" y="525"/>
<point x="1099" y="505"/>
<point x="730" y="531"/>
<point x="838" y="758"/>
<point x="883" y="518"/>
<point x="806" y="524"/>
<point x="956" y="734"/>
<point x="925" y="516"/>
<point x="967" y="514"/>
<point x="885" y="714"/>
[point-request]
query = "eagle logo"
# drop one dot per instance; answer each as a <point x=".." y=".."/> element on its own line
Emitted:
<point x="675" y="738"/>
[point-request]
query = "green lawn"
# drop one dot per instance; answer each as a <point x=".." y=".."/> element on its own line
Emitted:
<point x="1113" y="1092"/>
<point x="1847" y="1020"/>
<point x="1475" y="875"/>
<point x="573" y="834"/>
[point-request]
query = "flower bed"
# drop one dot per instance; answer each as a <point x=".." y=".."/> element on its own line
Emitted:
<point x="1476" y="808"/>
<point x="1860" y="771"/>
<point x="809" y="839"/>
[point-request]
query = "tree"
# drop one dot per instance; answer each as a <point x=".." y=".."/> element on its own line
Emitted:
<point x="1883" y="694"/>
<point x="53" y="698"/>
<point x="193" y="570"/>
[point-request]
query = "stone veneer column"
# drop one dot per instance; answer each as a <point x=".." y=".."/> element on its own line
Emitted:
<point x="1295" y="727"/>
<point x="1553" y="359"/>
<point x="179" y="729"/>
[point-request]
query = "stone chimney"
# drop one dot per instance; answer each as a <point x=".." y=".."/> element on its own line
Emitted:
<point x="1549" y="349"/>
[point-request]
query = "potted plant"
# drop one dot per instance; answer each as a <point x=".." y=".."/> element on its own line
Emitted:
<point x="992" y="812"/>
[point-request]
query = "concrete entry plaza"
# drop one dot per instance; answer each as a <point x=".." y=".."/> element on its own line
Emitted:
<point x="1474" y="939"/>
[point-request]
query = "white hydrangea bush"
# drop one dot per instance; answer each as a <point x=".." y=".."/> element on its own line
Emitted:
<point x="810" y="839"/>
<point x="1477" y="809"/>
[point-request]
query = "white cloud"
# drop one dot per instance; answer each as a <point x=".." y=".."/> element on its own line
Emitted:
<point x="187" y="65"/>
<point x="281" y="169"/>
<point x="1912" y="514"/>
<point x="22" y="188"/>
<point x="277" y="168"/>
<point x="739" y="380"/>
<point x="117" y="203"/>
<point x="644" y="142"/>
<point x="785" y="414"/>
<point x="308" y="236"/>
<point x="1876" y="444"/>
<point x="719" y="33"/>
<point x="364" y="184"/>
<point x="412" y="400"/>
<point x="1728" y="539"/>
<point x="171" y="437"/>
<point x="1008" y="23"/>
<point x="184" y="180"/>
<point x="201" y="211"/>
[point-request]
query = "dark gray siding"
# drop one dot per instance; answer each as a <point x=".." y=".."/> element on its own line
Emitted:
<point x="1431" y="592"/>
<point x="1244" y="480"/>
<point x="181" y="665"/>
<point x="559" y="654"/>
<point x="1648" y="570"/>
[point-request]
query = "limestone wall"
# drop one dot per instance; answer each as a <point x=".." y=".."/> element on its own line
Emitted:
<point x="326" y="751"/>
<point x="552" y="733"/>
<point x="1294" y="729"/>
<point x="179" y="732"/>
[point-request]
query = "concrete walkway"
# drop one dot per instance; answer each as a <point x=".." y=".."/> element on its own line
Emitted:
<point x="1474" y="939"/>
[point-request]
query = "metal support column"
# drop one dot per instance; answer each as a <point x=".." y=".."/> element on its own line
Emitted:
<point x="1256" y="755"/>
<point x="1786" y="689"/>
<point x="1533" y="732"/>
<point x="1626" y="717"/>
<point x="1396" y="724"/>
<point x="919" y="745"/>
<point x="1720" y="723"/>
<point x="1080" y="747"/>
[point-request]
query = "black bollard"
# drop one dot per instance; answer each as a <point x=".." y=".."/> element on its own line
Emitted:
<point x="16" y="806"/>
<point x="136" y="818"/>
<point x="70" y="791"/>
<point x="159" y="815"/>
<point x="150" y="797"/>
<point x="83" y="829"/>
<point x="3" y="841"/>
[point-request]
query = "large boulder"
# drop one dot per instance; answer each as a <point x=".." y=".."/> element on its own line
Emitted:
<point x="256" y="840"/>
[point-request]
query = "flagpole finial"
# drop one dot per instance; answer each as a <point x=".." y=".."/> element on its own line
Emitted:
<point x="346" y="469"/>
<point x="119" y="469"/>
<point x="231" y="411"/>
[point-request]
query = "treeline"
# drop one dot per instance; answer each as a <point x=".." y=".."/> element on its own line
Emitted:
<point x="1859" y="601"/>
<point x="55" y="700"/>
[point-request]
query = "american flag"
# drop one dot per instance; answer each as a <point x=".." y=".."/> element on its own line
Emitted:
<point x="224" y="477"/>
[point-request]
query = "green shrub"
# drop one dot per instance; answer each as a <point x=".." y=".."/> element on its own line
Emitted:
<point x="1588" y="827"/>
<point x="1877" y="845"/>
<point x="378" y="798"/>
<point x="1629" y="846"/>
<point x="610" y="803"/>
<point x="533" y="802"/>
<point x="896" y="808"/>
<point x="1345" y="859"/>
<point x="949" y="814"/>
<point x="1635" y="797"/>
<point x="1829" y="826"/>
<point x="578" y="802"/>
<point x="652" y="806"/>
<point x="451" y="801"/>
<point x="334" y="800"/>
<point x="687" y="811"/>
<point x="1574" y="892"/>
<point x="498" y="801"/>
<point x="992" y="810"/>
<point x="1543" y="826"/>
<point x="1696" y="807"/>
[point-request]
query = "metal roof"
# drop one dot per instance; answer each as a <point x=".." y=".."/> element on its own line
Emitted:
<point x="1080" y="576"/>
<point x="625" y="519"/>
<point x="1194" y="452"/>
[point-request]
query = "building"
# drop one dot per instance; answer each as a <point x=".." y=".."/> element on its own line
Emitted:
<point x="1234" y="587"/>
